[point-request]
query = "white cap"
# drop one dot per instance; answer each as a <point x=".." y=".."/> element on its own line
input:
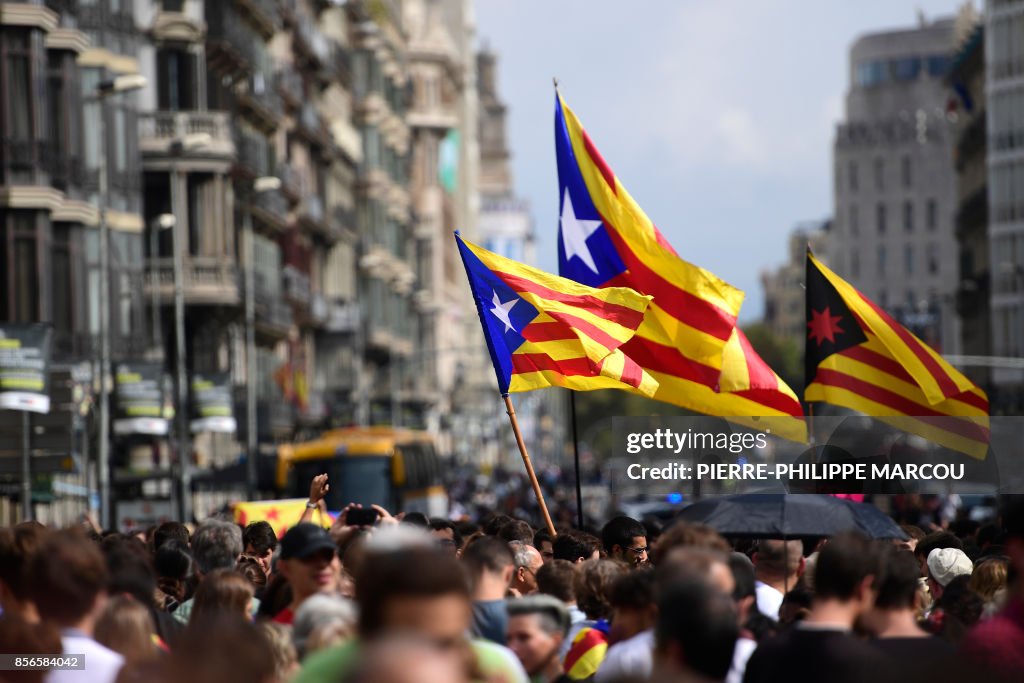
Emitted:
<point x="945" y="564"/>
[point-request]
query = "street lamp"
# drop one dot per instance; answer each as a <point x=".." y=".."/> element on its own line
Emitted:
<point x="120" y="84"/>
<point x="177" y="147"/>
<point x="260" y="185"/>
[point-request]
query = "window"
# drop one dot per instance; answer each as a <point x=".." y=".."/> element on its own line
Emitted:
<point x="906" y="172"/>
<point x="930" y="215"/>
<point x="62" y="281"/>
<point x="883" y="298"/>
<point x="853" y="176"/>
<point x="18" y="244"/>
<point x="176" y="80"/>
<point x="933" y="261"/>
<point x="881" y="259"/>
<point x="906" y="69"/>
<point x="908" y="216"/>
<point x="879" y="174"/>
<point x="871" y="73"/>
<point x="880" y="218"/>
<point x="908" y="259"/>
<point x="938" y="65"/>
<point x="18" y="84"/>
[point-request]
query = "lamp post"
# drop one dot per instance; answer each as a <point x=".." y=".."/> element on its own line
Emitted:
<point x="177" y="147"/>
<point x="120" y="84"/>
<point x="262" y="184"/>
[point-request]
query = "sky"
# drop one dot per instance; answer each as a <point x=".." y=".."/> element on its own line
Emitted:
<point x="718" y="116"/>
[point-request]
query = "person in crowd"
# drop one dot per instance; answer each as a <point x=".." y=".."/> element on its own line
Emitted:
<point x="958" y="610"/>
<point x="537" y="626"/>
<point x="131" y="573"/>
<point x="822" y="644"/>
<point x="989" y="540"/>
<point x="175" y="573"/>
<point x="126" y="627"/>
<point x="18" y="546"/>
<point x="492" y="524"/>
<point x="795" y="606"/>
<point x="576" y="547"/>
<point x="286" y="659"/>
<point x="688" y="535"/>
<point x="892" y="620"/>
<point x="260" y="542"/>
<point x="447" y="534"/>
<point x="778" y="566"/>
<point x="556" y="578"/>
<point x="625" y="540"/>
<point x="989" y="581"/>
<point x="749" y="620"/>
<point x="309" y="562"/>
<point x="588" y="642"/>
<point x="516" y="531"/>
<point x="321" y="621"/>
<point x="944" y="565"/>
<point x="490" y="564"/>
<point x="221" y="648"/>
<point x="26" y="638"/>
<point x="170" y="531"/>
<point x="933" y="541"/>
<point x="223" y="590"/>
<point x="527" y="562"/>
<point x="631" y="637"/>
<point x="251" y="568"/>
<point x="995" y="648"/>
<point x="696" y="632"/>
<point x="416" y="590"/>
<point x="215" y="545"/>
<point x="914" y="534"/>
<point x="408" y="659"/>
<point x="545" y="543"/>
<point x="68" y="586"/>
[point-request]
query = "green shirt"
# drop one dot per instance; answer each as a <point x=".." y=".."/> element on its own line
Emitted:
<point x="496" y="662"/>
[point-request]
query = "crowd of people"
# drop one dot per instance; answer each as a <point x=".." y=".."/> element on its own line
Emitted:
<point x="409" y="599"/>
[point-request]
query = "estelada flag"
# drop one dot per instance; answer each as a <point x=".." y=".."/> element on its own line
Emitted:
<point x="543" y="330"/>
<point x="688" y="341"/>
<point x="858" y="357"/>
<point x="280" y="514"/>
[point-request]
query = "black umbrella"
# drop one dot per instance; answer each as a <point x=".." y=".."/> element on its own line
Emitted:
<point x="781" y="515"/>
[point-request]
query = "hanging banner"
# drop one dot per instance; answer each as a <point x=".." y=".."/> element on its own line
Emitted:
<point x="139" y="406"/>
<point x="25" y="367"/>
<point x="212" y="404"/>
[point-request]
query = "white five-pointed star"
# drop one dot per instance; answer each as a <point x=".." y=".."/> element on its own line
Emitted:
<point x="575" y="233"/>
<point x="501" y="310"/>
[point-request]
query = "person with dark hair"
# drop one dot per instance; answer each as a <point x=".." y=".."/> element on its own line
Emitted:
<point x="415" y="591"/>
<point x="990" y="541"/>
<point x="251" y="568"/>
<point x="170" y="531"/>
<point x="892" y="620"/>
<point x="625" y="540"/>
<point x="416" y="519"/>
<point x="260" y="541"/>
<point x="492" y="524"/>
<point x="126" y="627"/>
<point x="545" y="543"/>
<point x="18" y="545"/>
<point x="309" y="561"/>
<point x="696" y="632"/>
<point x="956" y="611"/>
<point x="744" y="595"/>
<point x="223" y="591"/>
<point x="631" y="637"/>
<point x="516" y="531"/>
<point x="537" y="626"/>
<point x="27" y="638"/>
<point x="222" y="647"/>
<point x="944" y="565"/>
<point x="576" y="547"/>
<point x="131" y="574"/>
<point x="795" y="606"/>
<point x="68" y="585"/>
<point x="447" y="535"/>
<point x="173" y="566"/>
<point x="822" y="644"/>
<point x="556" y="579"/>
<point x="688" y="535"/>
<point x="933" y="541"/>
<point x="914" y="535"/>
<point x="490" y="564"/>
<point x="996" y="647"/>
<point x="778" y="565"/>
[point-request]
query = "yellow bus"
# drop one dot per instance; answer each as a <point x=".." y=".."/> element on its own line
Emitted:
<point x="398" y="469"/>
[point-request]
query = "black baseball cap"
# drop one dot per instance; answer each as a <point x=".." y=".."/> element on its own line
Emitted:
<point x="303" y="540"/>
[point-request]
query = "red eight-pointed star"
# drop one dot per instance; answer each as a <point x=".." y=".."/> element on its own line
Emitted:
<point x="824" y="326"/>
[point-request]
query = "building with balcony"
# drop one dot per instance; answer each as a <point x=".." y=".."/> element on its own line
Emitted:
<point x="894" y="185"/>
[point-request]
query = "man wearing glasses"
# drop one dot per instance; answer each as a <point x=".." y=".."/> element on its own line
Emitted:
<point x="625" y="539"/>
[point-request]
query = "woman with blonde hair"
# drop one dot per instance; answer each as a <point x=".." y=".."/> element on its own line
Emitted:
<point x="126" y="627"/>
<point x="989" y="581"/>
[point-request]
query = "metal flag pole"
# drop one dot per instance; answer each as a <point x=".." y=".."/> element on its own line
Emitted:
<point x="576" y="461"/>
<point x="529" y="466"/>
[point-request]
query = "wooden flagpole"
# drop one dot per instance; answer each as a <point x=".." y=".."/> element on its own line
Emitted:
<point x="529" y="466"/>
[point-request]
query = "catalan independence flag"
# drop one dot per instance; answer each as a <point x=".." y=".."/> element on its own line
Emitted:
<point x="859" y="358"/>
<point x="543" y="330"/>
<point x="688" y="341"/>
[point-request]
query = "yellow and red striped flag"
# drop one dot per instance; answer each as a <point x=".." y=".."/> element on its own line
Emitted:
<point x="689" y="341"/>
<point x="543" y="330"/>
<point x="858" y="357"/>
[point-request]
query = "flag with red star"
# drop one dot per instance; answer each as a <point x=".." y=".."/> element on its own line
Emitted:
<point x="858" y="357"/>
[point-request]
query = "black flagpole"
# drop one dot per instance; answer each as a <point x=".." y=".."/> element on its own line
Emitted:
<point x="576" y="461"/>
